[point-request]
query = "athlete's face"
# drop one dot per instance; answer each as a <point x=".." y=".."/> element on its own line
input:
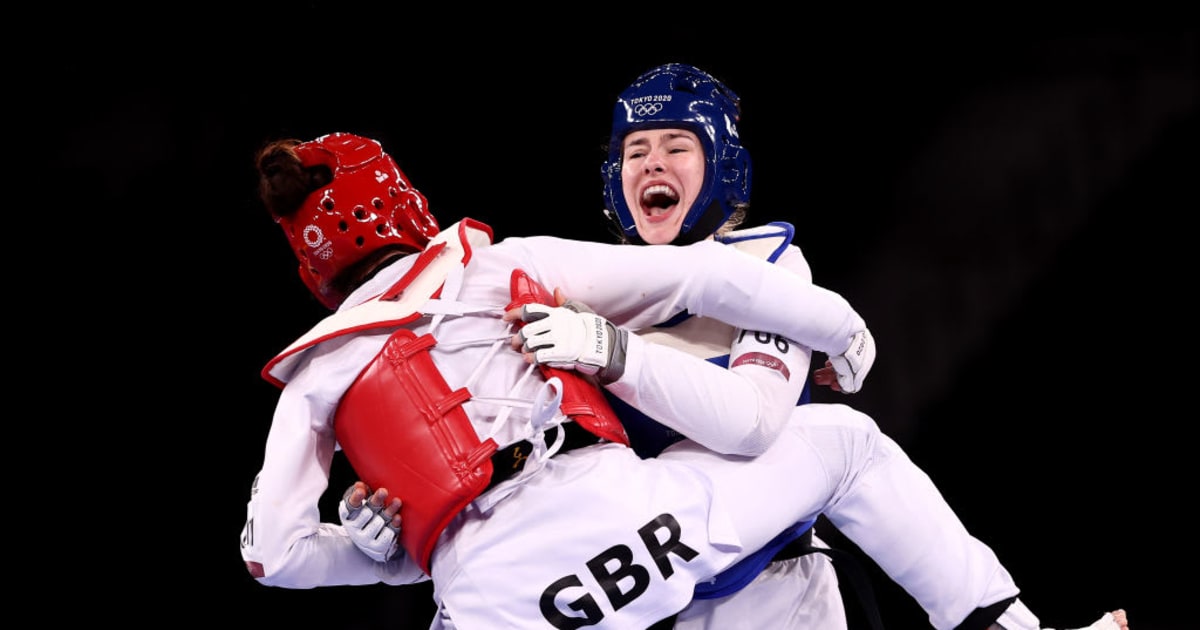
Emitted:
<point x="662" y="171"/>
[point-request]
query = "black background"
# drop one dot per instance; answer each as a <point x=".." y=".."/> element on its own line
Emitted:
<point x="1010" y="209"/>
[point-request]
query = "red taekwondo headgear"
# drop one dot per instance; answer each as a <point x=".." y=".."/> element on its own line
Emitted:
<point x="368" y="205"/>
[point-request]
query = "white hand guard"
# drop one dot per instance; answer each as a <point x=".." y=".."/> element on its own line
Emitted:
<point x="371" y="532"/>
<point x="853" y="364"/>
<point x="572" y="337"/>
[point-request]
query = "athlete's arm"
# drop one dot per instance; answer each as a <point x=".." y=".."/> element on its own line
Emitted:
<point x="723" y="410"/>
<point x="284" y="542"/>
<point x="736" y="411"/>
<point x="639" y="286"/>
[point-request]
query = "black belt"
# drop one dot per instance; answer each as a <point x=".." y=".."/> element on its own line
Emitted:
<point x="847" y="567"/>
<point x="509" y="460"/>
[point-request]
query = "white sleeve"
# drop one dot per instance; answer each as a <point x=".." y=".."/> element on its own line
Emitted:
<point x="284" y="533"/>
<point x="753" y="294"/>
<point x="636" y="286"/>
<point x="737" y="411"/>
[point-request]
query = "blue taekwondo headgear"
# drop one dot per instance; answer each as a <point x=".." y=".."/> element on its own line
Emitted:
<point x="677" y="95"/>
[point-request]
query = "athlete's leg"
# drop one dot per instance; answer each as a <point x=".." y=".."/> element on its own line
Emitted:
<point x="834" y="460"/>
<point x="895" y="513"/>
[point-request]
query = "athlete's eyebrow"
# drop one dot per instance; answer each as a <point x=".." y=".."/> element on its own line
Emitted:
<point x="640" y="141"/>
<point x="645" y="140"/>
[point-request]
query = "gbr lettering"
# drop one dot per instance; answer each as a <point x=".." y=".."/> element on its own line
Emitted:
<point x="609" y="568"/>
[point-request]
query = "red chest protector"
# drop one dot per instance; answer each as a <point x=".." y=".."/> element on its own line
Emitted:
<point x="402" y="427"/>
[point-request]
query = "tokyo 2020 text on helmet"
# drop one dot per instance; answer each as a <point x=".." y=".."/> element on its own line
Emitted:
<point x="681" y="96"/>
<point x="368" y="205"/>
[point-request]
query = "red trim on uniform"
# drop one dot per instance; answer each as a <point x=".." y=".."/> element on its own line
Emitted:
<point x="423" y="260"/>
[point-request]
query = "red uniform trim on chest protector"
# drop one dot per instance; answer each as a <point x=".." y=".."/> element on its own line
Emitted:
<point x="403" y="428"/>
<point x="582" y="400"/>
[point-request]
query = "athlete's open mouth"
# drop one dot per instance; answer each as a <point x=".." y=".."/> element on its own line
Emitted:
<point x="659" y="199"/>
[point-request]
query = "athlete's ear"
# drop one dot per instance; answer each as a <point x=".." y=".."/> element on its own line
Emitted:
<point x="559" y="297"/>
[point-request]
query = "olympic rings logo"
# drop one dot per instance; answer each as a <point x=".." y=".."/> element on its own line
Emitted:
<point x="312" y="236"/>
<point x="647" y="109"/>
<point x="315" y="239"/>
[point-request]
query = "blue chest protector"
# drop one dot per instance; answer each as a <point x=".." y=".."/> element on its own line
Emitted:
<point x="648" y="438"/>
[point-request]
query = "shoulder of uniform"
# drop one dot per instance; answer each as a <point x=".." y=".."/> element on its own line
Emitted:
<point x="766" y="241"/>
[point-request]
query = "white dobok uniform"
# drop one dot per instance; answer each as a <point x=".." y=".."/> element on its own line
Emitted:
<point x="797" y="593"/>
<point x="597" y="536"/>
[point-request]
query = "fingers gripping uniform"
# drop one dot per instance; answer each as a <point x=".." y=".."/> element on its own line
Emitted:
<point x="573" y="337"/>
<point x="370" y="530"/>
<point x="582" y="401"/>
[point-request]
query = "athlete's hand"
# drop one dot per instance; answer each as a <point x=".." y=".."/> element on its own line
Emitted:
<point x="846" y="372"/>
<point x="570" y="336"/>
<point x="373" y="523"/>
<point x="827" y="377"/>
